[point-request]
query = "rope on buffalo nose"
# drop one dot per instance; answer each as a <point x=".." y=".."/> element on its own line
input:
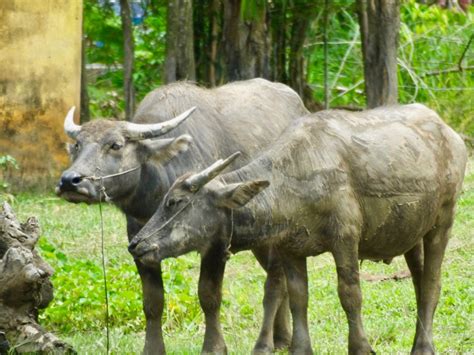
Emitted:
<point x="101" y="183"/>
<point x="102" y="248"/>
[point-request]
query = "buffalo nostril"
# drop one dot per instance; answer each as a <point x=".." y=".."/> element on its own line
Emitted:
<point x="76" y="180"/>
<point x="70" y="180"/>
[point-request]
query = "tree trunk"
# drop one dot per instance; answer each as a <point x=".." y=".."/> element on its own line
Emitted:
<point x="379" y="25"/>
<point x="231" y="36"/>
<point x="201" y="40"/>
<point x="246" y="43"/>
<point x="128" y="49"/>
<point x="85" y="113"/>
<point x="214" y="25"/>
<point x="304" y="14"/>
<point x="279" y="28"/>
<point x="297" y="72"/>
<point x="24" y="288"/>
<point x="179" y="61"/>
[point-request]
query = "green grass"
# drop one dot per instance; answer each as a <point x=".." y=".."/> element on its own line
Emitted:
<point x="71" y="243"/>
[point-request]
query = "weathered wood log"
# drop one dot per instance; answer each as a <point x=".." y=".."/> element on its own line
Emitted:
<point x="25" y="287"/>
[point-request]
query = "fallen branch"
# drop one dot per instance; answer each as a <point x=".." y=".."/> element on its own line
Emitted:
<point x="446" y="71"/>
<point x="24" y="288"/>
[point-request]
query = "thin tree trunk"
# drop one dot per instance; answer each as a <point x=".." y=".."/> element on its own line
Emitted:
<point x="231" y="34"/>
<point x="201" y="40"/>
<point x="379" y="25"/>
<point x="297" y="65"/>
<point x="326" y="55"/>
<point x="279" y="25"/>
<point x="214" y="37"/>
<point x="85" y="113"/>
<point x="179" y="61"/>
<point x="128" y="48"/>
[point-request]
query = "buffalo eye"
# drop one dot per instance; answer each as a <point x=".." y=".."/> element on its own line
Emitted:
<point x="116" y="146"/>
<point x="76" y="147"/>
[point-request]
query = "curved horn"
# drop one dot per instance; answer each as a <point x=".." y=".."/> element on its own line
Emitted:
<point x="136" y="131"/>
<point x="196" y="181"/>
<point x="71" y="129"/>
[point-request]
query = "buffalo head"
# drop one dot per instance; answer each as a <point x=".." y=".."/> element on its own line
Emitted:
<point x="194" y="214"/>
<point x="103" y="148"/>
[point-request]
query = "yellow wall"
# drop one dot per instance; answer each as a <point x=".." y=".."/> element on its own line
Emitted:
<point x="40" y="53"/>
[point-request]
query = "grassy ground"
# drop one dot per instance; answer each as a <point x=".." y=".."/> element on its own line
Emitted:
<point x="71" y="243"/>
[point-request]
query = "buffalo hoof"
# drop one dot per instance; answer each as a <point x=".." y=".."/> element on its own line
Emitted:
<point x="222" y="351"/>
<point x="261" y="349"/>
<point x="300" y="351"/>
<point x="425" y="350"/>
<point x="363" y="352"/>
<point x="282" y="343"/>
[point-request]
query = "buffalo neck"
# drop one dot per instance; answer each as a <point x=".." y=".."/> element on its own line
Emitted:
<point x="257" y="222"/>
<point x="145" y="199"/>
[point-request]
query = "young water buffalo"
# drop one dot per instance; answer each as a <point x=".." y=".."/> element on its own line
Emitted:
<point x="368" y="185"/>
<point x="245" y="116"/>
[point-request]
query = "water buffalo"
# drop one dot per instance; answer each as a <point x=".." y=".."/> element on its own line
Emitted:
<point x="360" y="185"/>
<point x="244" y="116"/>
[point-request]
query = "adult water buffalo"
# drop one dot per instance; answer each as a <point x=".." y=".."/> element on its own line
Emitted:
<point x="244" y="116"/>
<point x="368" y="185"/>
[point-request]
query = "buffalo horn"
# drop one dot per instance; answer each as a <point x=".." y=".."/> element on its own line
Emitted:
<point x="200" y="179"/>
<point x="136" y="131"/>
<point x="71" y="129"/>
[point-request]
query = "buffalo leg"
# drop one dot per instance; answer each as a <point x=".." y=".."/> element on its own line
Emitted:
<point x="281" y="327"/>
<point x="153" y="303"/>
<point x="275" y="326"/>
<point x="297" y="283"/>
<point x="434" y="246"/>
<point x="414" y="259"/>
<point x="210" y="297"/>
<point x="153" y="299"/>
<point x="345" y="255"/>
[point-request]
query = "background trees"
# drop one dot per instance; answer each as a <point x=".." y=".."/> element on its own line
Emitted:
<point x="379" y="23"/>
<point x="400" y="52"/>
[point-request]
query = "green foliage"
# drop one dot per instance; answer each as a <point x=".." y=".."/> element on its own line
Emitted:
<point x="252" y="9"/>
<point x="103" y="34"/>
<point x="104" y="41"/>
<point x="7" y="162"/>
<point x="431" y="39"/>
<point x="149" y="53"/>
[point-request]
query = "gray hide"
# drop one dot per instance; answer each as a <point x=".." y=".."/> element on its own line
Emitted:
<point x="244" y="116"/>
<point x="361" y="185"/>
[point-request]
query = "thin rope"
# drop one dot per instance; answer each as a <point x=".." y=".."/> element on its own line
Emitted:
<point x="101" y="182"/>
<point x="151" y="234"/>
<point x="104" y="271"/>
<point x="100" y="178"/>
<point x="227" y="252"/>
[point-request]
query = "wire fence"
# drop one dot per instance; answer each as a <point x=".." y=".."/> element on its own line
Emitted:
<point x="429" y="63"/>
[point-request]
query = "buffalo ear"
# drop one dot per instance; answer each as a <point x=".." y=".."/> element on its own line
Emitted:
<point x="162" y="151"/>
<point x="238" y="195"/>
